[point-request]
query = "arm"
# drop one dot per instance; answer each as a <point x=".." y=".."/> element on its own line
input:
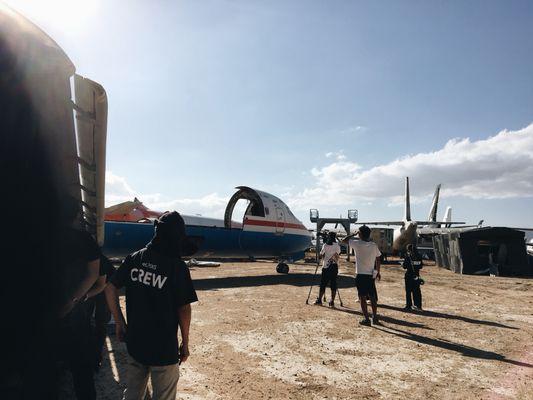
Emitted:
<point x="93" y="269"/>
<point x="184" y="321"/>
<point x="98" y="287"/>
<point x="347" y="239"/>
<point x="378" y="268"/>
<point x="111" y="296"/>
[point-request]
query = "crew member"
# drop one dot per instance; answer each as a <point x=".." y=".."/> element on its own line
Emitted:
<point x="159" y="292"/>
<point x="80" y="258"/>
<point x="367" y="268"/>
<point x="330" y="269"/>
<point x="100" y="310"/>
<point x="412" y="264"/>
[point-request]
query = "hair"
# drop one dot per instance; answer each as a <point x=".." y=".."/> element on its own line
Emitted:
<point x="364" y="232"/>
<point x="331" y="237"/>
<point x="410" y="247"/>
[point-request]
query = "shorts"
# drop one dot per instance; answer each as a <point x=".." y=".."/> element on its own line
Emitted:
<point x="365" y="285"/>
<point x="329" y="274"/>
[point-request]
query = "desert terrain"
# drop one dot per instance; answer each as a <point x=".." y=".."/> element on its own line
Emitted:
<point x="254" y="337"/>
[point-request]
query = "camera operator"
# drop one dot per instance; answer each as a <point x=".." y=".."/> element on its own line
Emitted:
<point x="412" y="264"/>
<point x="330" y="269"/>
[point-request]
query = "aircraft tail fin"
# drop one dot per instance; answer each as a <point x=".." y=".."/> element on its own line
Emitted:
<point x="434" y="205"/>
<point x="447" y="217"/>
<point x="407" y="211"/>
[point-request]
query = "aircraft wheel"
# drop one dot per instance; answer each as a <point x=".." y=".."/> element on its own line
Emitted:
<point x="282" y="268"/>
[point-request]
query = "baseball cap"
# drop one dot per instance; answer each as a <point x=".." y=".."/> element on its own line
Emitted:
<point x="171" y="225"/>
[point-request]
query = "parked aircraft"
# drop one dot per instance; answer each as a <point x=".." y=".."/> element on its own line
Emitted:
<point x="407" y="230"/>
<point x="268" y="230"/>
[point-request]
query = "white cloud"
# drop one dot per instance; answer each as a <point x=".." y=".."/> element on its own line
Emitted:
<point x="211" y="205"/>
<point x="500" y="166"/>
<point x="118" y="190"/>
<point x="339" y="155"/>
<point x="353" y="130"/>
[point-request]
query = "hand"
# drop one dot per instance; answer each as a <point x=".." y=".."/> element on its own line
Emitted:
<point x="120" y="330"/>
<point x="184" y="353"/>
<point x="378" y="276"/>
<point x="67" y="308"/>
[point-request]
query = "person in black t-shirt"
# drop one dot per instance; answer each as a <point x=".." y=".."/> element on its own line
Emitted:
<point x="100" y="310"/>
<point x="159" y="292"/>
<point x="412" y="264"/>
<point x="80" y="264"/>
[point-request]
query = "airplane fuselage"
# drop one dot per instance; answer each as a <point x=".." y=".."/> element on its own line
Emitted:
<point x="121" y="238"/>
<point x="268" y="230"/>
<point x="404" y="235"/>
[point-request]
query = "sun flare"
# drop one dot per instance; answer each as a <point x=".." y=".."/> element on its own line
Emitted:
<point x="67" y="15"/>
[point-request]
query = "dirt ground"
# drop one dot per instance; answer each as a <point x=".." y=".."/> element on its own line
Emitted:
<point x="254" y="337"/>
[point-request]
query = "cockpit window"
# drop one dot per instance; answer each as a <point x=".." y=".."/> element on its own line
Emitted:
<point x="255" y="209"/>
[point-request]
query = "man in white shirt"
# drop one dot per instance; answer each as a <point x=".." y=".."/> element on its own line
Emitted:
<point x="330" y="269"/>
<point x="367" y="268"/>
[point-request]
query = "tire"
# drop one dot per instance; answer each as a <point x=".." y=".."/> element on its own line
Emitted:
<point x="282" y="268"/>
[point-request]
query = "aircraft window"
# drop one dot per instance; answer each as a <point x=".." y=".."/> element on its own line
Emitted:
<point x="290" y="212"/>
<point x="255" y="209"/>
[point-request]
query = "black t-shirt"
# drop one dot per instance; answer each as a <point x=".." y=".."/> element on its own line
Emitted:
<point x="106" y="267"/>
<point x="77" y="249"/>
<point x="156" y="286"/>
<point x="412" y="265"/>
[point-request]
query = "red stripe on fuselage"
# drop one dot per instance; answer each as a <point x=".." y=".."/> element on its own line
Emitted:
<point x="273" y="223"/>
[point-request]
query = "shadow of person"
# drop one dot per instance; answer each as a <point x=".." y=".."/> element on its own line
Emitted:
<point x="293" y="279"/>
<point x="435" y="314"/>
<point x="467" y="351"/>
<point x="384" y="318"/>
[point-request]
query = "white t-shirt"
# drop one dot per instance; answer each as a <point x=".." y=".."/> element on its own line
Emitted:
<point x="328" y="251"/>
<point x="365" y="256"/>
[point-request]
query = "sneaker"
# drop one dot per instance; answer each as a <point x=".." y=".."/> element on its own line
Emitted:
<point x="375" y="320"/>
<point x="407" y="308"/>
<point x="332" y="304"/>
<point x="365" y="322"/>
<point x="318" y="302"/>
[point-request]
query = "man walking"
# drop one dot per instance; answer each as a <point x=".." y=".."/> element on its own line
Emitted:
<point x="367" y="268"/>
<point x="159" y="292"/>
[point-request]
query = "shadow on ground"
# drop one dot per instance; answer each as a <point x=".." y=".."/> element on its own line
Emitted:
<point x="466" y="351"/>
<point x="293" y="279"/>
<point x="435" y="314"/>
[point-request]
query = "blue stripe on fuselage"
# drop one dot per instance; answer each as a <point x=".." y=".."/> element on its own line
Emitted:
<point x="122" y="238"/>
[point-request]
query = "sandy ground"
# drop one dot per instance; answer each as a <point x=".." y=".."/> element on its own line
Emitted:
<point x="254" y="337"/>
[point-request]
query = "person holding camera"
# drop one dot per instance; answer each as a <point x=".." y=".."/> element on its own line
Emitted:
<point x="412" y="264"/>
<point x="330" y="269"/>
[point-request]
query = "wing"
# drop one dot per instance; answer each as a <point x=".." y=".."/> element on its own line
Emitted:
<point x="438" y="223"/>
<point x="400" y="223"/>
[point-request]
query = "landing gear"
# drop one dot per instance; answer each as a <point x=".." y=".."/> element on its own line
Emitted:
<point x="282" y="268"/>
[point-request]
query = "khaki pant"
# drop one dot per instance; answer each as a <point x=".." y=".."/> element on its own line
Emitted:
<point x="164" y="381"/>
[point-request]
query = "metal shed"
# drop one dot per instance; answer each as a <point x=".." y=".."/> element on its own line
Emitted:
<point x="497" y="250"/>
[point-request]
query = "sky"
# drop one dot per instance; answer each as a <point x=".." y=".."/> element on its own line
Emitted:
<point x="326" y="104"/>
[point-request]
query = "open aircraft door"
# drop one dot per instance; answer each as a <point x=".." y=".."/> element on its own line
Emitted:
<point x="280" y="220"/>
